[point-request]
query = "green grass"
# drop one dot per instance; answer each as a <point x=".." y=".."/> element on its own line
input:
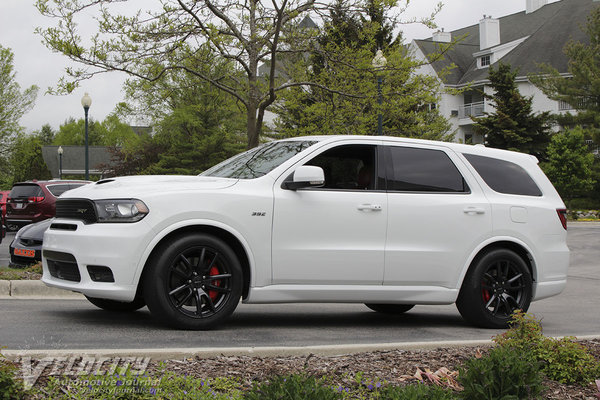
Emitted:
<point x="16" y="274"/>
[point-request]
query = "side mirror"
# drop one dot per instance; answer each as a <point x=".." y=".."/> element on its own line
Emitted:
<point x="304" y="177"/>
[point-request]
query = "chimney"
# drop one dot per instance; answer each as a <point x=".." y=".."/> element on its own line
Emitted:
<point x="441" y="36"/>
<point x="489" y="32"/>
<point x="533" y="5"/>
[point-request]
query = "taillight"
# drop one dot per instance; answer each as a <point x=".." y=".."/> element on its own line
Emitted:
<point x="35" y="199"/>
<point x="562" y="215"/>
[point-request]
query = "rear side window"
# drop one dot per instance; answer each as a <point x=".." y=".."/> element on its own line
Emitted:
<point x="26" y="191"/>
<point x="422" y="170"/>
<point x="57" y="190"/>
<point x="504" y="176"/>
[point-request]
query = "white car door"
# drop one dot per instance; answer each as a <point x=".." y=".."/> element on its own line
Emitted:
<point x="334" y="235"/>
<point x="436" y="218"/>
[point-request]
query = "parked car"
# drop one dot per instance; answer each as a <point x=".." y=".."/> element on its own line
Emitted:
<point x="26" y="247"/>
<point x="3" y="199"/>
<point x="2" y="228"/>
<point x="34" y="201"/>
<point x="389" y="222"/>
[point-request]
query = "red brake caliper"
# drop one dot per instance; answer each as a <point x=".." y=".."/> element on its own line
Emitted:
<point x="486" y="294"/>
<point x="213" y="293"/>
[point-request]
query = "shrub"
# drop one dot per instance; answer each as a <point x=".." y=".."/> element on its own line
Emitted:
<point x="417" y="392"/>
<point x="562" y="360"/>
<point x="502" y="374"/>
<point x="11" y="387"/>
<point x="292" y="387"/>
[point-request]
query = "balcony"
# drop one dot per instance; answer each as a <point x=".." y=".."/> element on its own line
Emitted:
<point x="471" y="110"/>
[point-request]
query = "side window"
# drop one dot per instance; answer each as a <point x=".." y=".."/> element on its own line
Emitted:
<point x="57" y="190"/>
<point x="504" y="176"/>
<point x="349" y="167"/>
<point x="422" y="170"/>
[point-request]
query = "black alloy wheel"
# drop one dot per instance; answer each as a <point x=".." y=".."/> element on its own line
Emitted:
<point x="194" y="282"/>
<point x="499" y="284"/>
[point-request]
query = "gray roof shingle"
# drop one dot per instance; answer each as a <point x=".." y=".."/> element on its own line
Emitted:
<point x="549" y="29"/>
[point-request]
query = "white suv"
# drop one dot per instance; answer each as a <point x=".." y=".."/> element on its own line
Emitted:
<point x="388" y="222"/>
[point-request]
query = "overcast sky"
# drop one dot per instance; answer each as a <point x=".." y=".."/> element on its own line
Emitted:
<point x="36" y="65"/>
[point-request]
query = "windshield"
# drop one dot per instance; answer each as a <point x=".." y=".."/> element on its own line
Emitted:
<point x="258" y="161"/>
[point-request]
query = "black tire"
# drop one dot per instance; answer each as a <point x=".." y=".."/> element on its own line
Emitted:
<point x="193" y="282"/>
<point x="390" y="308"/>
<point x="118" y="306"/>
<point x="497" y="284"/>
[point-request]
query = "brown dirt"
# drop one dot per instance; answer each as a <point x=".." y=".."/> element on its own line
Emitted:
<point x="396" y="367"/>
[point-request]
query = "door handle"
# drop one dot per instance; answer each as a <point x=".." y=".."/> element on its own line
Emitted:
<point x="474" y="210"/>
<point x="369" y="207"/>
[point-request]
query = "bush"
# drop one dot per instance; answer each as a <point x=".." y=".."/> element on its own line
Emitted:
<point x="417" y="392"/>
<point x="11" y="387"/>
<point x="502" y="374"/>
<point x="292" y="387"/>
<point x="562" y="360"/>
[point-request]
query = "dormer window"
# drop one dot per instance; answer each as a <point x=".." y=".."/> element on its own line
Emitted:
<point x="485" y="61"/>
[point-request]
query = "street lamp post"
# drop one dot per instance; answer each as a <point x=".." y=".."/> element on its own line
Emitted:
<point x="60" y="154"/>
<point x="378" y="63"/>
<point x="86" y="102"/>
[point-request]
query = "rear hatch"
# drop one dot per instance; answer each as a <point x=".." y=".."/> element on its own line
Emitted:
<point x="23" y="200"/>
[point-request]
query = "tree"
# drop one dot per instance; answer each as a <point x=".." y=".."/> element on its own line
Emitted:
<point x="26" y="160"/>
<point x="581" y="89"/>
<point x="342" y="62"/>
<point x="244" y="34"/>
<point x="110" y="132"/>
<point x="513" y="125"/>
<point x="569" y="165"/>
<point x="196" y="124"/>
<point x="13" y="104"/>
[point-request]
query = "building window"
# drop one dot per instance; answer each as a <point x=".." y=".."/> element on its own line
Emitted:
<point x="485" y="60"/>
<point x="563" y="105"/>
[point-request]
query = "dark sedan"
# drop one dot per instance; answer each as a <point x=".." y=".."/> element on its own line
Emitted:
<point x="26" y="248"/>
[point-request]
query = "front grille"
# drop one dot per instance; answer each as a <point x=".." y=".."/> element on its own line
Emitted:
<point x="62" y="266"/>
<point x="80" y="209"/>
<point x="18" y="260"/>
<point x="30" y="242"/>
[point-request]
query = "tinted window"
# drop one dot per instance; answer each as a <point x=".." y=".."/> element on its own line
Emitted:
<point x="347" y="167"/>
<point x="422" y="170"/>
<point x="26" y="191"/>
<point x="504" y="176"/>
<point x="258" y="161"/>
<point x="57" y="190"/>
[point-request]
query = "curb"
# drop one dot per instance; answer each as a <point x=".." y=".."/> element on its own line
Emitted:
<point x="34" y="289"/>
<point x="281" y="351"/>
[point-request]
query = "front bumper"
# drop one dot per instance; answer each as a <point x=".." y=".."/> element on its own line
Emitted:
<point x="67" y="254"/>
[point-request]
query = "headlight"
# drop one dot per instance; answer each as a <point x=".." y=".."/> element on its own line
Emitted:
<point x="120" y="210"/>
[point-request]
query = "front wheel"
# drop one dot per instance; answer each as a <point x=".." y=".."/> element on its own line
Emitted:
<point x="193" y="282"/>
<point x="390" y="308"/>
<point x="118" y="306"/>
<point x="495" y="286"/>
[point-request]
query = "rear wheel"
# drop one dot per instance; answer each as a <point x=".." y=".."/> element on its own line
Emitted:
<point x="193" y="282"/>
<point x="390" y="308"/>
<point x="496" y="285"/>
<point x="119" y="306"/>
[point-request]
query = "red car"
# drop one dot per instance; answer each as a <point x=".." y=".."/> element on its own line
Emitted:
<point x="3" y="198"/>
<point x="35" y="201"/>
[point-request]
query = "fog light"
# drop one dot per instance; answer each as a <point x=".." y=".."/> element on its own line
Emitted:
<point x="99" y="273"/>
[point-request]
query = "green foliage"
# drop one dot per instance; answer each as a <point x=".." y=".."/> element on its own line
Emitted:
<point x="569" y="165"/>
<point x="110" y="132"/>
<point x="128" y="386"/>
<point x="417" y="392"/>
<point x="26" y="161"/>
<point x="513" y="125"/>
<point x="13" y="104"/>
<point x="563" y="360"/>
<point x="292" y="387"/>
<point x="502" y="374"/>
<point x="347" y="90"/>
<point x="11" y="387"/>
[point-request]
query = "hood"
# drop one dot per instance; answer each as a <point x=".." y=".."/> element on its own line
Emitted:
<point x="135" y="186"/>
<point x="36" y="230"/>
